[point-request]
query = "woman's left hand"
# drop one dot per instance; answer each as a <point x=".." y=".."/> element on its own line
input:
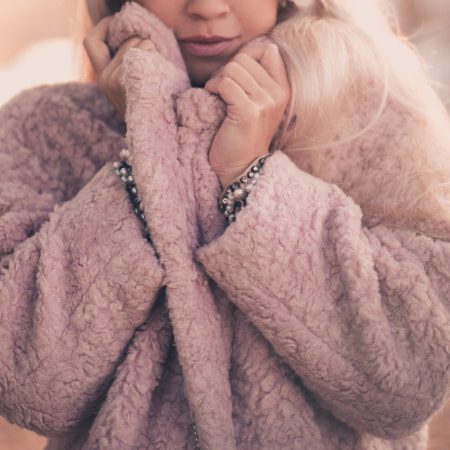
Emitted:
<point x="255" y="86"/>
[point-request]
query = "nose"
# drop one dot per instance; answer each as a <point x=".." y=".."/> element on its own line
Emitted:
<point x="207" y="9"/>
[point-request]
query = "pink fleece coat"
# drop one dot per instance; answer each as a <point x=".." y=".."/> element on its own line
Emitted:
<point x="295" y="327"/>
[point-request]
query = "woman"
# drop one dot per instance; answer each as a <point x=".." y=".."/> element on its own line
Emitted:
<point x="311" y="314"/>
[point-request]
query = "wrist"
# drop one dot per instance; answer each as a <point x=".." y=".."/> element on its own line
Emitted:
<point x="228" y="176"/>
<point x="234" y="194"/>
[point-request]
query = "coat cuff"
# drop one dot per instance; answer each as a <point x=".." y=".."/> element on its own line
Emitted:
<point x="283" y="197"/>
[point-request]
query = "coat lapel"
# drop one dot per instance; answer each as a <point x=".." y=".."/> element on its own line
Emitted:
<point x="170" y="166"/>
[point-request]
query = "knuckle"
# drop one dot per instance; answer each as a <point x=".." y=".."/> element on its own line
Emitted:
<point x="272" y="104"/>
<point x="238" y="56"/>
<point x="255" y="111"/>
<point x="278" y="95"/>
<point x="271" y="48"/>
<point x="225" y="81"/>
<point x="281" y="95"/>
<point x="241" y="57"/>
<point x="231" y="67"/>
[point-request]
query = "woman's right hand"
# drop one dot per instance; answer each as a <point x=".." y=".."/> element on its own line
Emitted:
<point x="107" y="69"/>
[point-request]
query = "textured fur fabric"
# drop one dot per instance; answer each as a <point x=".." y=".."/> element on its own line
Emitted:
<point x="295" y="327"/>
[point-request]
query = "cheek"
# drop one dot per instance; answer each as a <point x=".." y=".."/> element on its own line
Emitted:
<point x="167" y="11"/>
<point x="258" y="16"/>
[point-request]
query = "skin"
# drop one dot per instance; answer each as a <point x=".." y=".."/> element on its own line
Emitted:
<point x="251" y="79"/>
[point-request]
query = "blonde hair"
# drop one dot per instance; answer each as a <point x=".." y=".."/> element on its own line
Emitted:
<point x="346" y="64"/>
<point x="349" y="70"/>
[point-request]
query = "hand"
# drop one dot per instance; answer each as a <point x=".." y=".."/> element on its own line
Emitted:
<point x="107" y="69"/>
<point x="255" y="86"/>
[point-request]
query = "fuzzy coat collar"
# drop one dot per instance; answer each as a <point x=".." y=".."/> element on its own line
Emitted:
<point x="170" y="127"/>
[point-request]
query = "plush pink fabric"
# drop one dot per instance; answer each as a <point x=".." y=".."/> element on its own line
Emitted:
<point x="296" y="327"/>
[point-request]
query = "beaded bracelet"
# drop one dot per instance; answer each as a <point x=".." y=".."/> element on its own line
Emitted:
<point x="124" y="170"/>
<point x="234" y="196"/>
<point x="232" y="199"/>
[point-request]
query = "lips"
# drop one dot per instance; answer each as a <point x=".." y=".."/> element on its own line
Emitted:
<point x="206" y="48"/>
<point x="206" y="45"/>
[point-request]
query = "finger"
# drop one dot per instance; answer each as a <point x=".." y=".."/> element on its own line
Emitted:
<point x="258" y="72"/>
<point x="254" y="49"/>
<point x="146" y="44"/>
<point x="264" y="86"/>
<point x="242" y="77"/>
<point x="118" y="57"/>
<point x="132" y="42"/>
<point x="114" y="86"/>
<point x="95" y="45"/>
<point x="116" y="79"/>
<point x="273" y="62"/>
<point x="233" y="95"/>
<point x="269" y="57"/>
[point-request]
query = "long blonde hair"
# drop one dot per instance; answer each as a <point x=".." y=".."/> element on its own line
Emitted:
<point x="349" y="71"/>
<point x="348" y="67"/>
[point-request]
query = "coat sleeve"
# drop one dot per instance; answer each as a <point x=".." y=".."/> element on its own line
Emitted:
<point x="361" y="315"/>
<point x="77" y="277"/>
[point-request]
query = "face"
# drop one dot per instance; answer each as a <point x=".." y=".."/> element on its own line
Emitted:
<point x="242" y="20"/>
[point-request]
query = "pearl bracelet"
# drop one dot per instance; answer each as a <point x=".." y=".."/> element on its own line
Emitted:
<point x="234" y="196"/>
<point x="232" y="199"/>
<point x="124" y="170"/>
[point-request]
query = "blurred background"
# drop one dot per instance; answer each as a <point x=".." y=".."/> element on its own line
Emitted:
<point x="37" y="46"/>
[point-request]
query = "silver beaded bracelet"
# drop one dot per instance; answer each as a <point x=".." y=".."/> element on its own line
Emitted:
<point x="234" y="196"/>
<point x="124" y="171"/>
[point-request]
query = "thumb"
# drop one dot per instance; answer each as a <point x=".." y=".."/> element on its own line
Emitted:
<point x="146" y="44"/>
